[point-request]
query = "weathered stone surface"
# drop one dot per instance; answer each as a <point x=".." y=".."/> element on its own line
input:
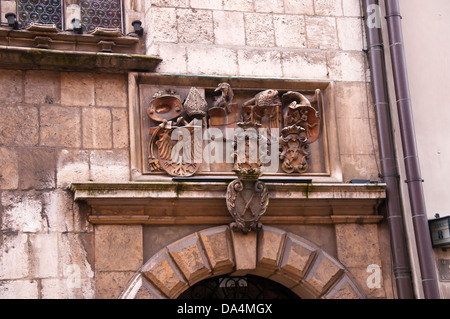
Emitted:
<point x="211" y="60"/>
<point x="72" y="166"/>
<point x="346" y="66"/>
<point x="297" y="257"/>
<point x="164" y="274"/>
<point x="259" y="63"/>
<point x="218" y="247"/>
<point x="67" y="288"/>
<point x="77" y="89"/>
<point x="111" y="90"/>
<point x="109" y="285"/>
<point x="19" y="289"/>
<point x="44" y="255"/>
<point x="321" y="33"/>
<point x="238" y="5"/>
<point x="210" y="4"/>
<point x="60" y="126"/>
<point x="143" y="290"/>
<point x="164" y="22"/>
<point x="259" y="30"/>
<point x="299" y="7"/>
<point x="19" y="125"/>
<point x="328" y="7"/>
<point x="21" y="212"/>
<point x="350" y="33"/>
<point x="355" y="138"/>
<point x="344" y="289"/>
<point x="13" y="251"/>
<point x="11" y="86"/>
<point x="37" y="169"/>
<point x="9" y="169"/>
<point x="195" y="26"/>
<point x="351" y="8"/>
<point x="229" y="28"/>
<point x="42" y="87"/>
<point x="118" y="248"/>
<point x="190" y="258"/>
<point x="323" y="273"/>
<point x="270" y="247"/>
<point x="175" y="58"/>
<point x="290" y="31"/>
<point x="109" y="166"/>
<point x="245" y="251"/>
<point x="120" y="128"/>
<point x="307" y="65"/>
<point x="97" y="128"/>
<point x="357" y="245"/>
<point x="275" y="6"/>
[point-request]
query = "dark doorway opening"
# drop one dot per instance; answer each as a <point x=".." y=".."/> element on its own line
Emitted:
<point x="242" y="287"/>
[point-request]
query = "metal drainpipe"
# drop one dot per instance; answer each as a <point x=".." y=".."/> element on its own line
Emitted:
<point x="411" y="159"/>
<point x="389" y="170"/>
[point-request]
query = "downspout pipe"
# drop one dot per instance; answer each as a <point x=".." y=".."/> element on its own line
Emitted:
<point x="388" y="162"/>
<point x="414" y="180"/>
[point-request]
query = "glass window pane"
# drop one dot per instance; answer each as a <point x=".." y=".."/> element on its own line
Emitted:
<point x="39" y="11"/>
<point x="101" y="13"/>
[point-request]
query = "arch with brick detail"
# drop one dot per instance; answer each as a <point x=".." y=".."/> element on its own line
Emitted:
<point x="271" y="253"/>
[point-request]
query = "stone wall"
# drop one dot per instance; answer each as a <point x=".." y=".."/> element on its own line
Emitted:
<point x="56" y="128"/>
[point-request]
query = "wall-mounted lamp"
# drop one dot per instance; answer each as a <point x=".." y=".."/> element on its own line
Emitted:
<point x="76" y="23"/>
<point x="137" y="27"/>
<point x="440" y="231"/>
<point x="12" y="22"/>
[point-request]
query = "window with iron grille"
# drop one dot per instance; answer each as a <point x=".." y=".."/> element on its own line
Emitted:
<point x="93" y="13"/>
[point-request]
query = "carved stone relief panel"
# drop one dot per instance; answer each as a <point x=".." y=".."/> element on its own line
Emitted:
<point x="194" y="128"/>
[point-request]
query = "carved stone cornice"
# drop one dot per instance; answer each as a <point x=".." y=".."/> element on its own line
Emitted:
<point x="173" y="203"/>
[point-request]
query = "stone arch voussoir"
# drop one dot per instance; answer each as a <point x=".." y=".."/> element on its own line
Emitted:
<point x="271" y="253"/>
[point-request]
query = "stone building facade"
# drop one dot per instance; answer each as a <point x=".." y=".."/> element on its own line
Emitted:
<point x="83" y="215"/>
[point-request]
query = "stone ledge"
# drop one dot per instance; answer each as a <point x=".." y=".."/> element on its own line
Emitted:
<point x="35" y="58"/>
<point x="168" y="203"/>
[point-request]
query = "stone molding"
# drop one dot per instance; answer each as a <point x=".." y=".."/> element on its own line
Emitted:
<point x="271" y="253"/>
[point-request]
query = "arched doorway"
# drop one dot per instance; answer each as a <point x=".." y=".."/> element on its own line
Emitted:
<point x="240" y="287"/>
<point x="279" y="256"/>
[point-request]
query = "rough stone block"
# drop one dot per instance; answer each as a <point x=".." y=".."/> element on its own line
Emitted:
<point x="44" y="255"/>
<point x="164" y="274"/>
<point x="229" y="28"/>
<point x="346" y="66"/>
<point x="77" y="89"/>
<point x="97" y="128"/>
<point x="211" y="60"/>
<point x="170" y="3"/>
<point x="111" y="90"/>
<point x="164" y="24"/>
<point x="37" y="169"/>
<point x="72" y="166"/>
<point x="328" y="7"/>
<point x="290" y="31"/>
<point x="120" y="128"/>
<point x="357" y="245"/>
<point x="141" y="289"/>
<point x="11" y="86"/>
<point x="305" y="65"/>
<point x="19" y="125"/>
<point x="323" y="273"/>
<point x="355" y="138"/>
<point x="218" y="247"/>
<point x="210" y="4"/>
<point x="321" y="33"/>
<point x="118" y="247"/>
<point x="351" y="8"/>
<point x="67" y="288"/>
<point x="276" y="6"/>
<point x="190" y="258"/>
<point x="42" y="87"/>
<point x="352" y="99"/>
<point x="270" y="247"/>
<point x="109" y="166"/>
<point x="344" y="289"/>
<point x="350" y="33"/>
<point x="21" y="212"/>
<point x="60" y="126"/>
<point x="265" y="63"/>
<point x="174" y="58"/>
<point x="297" y="258"/>
<point x="19" y="289"/>
<point x="14" y="260"/>
<point x="195" y="26"/>
<point x="9" y="169"/>
<point x="60" y="211"/>
<point x="245" y="251"/>
<point x="109" y="285"/>
<point x="76" y="257"/>
<point x="299" y="7"/>
<point x="238" y="5"/>
<point x="259" y="30"/>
